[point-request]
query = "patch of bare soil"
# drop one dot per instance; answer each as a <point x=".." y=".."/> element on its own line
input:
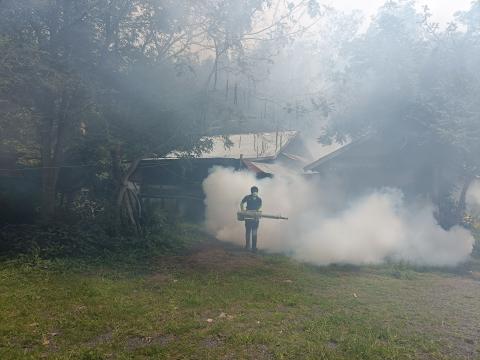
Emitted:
<point x="161" y="278"/>
<point x="213" y="342"/>
<point x="258" y="352"/>
<point x="101" y="339"/>
<point x="254" y="352"/>
<point x="219" y="258"/>
<point x="139" y="342"/>
<point x="211" y="255"/>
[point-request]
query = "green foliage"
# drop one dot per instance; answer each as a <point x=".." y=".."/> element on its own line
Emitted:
<point x="74" y="104"/>
<point x="407" y="78"/>
<point x="91" y="240"/>
<point x="409" y="81"/>
<point x="91" y="87"/>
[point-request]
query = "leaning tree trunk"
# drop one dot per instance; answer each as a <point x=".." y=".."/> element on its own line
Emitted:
<point x="462" y="202"/>
<point x="126" y="200"/>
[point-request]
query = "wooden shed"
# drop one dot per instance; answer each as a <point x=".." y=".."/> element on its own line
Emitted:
<point x="176" y="179"/>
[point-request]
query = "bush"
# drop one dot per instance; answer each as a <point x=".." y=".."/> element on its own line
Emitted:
<point x="90" y="240"/>
<point x="51" y="240"/>
<point x="87" y="227"/>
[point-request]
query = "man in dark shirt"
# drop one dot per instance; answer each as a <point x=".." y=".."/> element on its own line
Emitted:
<point x="253" y="202"/>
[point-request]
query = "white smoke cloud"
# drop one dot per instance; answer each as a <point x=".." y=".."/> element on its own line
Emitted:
<point x="323" y="228"/>
<point x="473" y="198"/>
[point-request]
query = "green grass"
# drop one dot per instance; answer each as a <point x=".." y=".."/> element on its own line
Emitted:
<point x="260" y="307"/>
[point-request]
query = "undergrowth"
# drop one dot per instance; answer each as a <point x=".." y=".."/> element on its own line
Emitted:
<point x="39" y="244"/>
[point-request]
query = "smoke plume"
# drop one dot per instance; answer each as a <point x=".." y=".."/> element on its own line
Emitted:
<point x="325" y="228"/>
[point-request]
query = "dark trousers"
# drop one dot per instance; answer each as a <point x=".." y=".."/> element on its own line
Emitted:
<point x="251" y="227"/>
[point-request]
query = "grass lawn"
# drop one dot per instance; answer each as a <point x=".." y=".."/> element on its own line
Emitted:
<point x="218" y="302"/>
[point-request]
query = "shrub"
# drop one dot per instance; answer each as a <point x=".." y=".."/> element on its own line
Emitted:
<point x="85" y="240"/>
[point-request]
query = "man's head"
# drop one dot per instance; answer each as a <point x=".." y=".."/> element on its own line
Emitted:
<point x="254" y="190"/>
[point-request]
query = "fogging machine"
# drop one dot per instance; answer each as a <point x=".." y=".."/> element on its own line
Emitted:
<point x="256" y="215"/>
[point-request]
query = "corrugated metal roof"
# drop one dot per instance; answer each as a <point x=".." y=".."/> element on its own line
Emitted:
<point x="300" y="159"/>
<point x="269" y="168"/>
<point x="266" y="145"/>
<point x="328" y="152"/>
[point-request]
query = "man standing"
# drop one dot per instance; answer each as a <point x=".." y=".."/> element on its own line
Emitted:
<point x="253" y="202"/>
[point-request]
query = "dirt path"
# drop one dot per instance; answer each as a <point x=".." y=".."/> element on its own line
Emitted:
<point x="212" y="255"/>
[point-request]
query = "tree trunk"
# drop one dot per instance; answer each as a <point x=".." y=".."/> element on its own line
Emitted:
<point x="123" y="201"/>
<point x="462" y="202"/>
<point x="49" y="193"/>
<point x="53" y="142"/>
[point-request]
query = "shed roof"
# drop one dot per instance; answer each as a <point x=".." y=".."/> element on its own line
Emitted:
<point x="264" y="145"/>
<point x="268" y="168"/>
<point x="332" y="151"/>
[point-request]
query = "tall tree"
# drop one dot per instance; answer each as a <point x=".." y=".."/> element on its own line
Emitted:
<point x="408" y="79"/>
